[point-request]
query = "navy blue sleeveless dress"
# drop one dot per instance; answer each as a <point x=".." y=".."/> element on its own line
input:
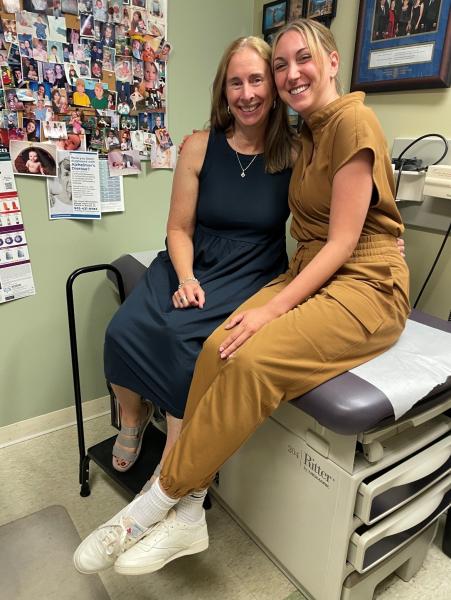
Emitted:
<point x="239" y="246"/>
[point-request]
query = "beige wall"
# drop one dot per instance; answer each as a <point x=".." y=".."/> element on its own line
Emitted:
<point x="402" y="114"/>
<point x="35" y="375"/>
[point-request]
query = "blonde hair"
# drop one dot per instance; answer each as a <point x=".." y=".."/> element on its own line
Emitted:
<point x="280" y="139"/>
<point x="318" y="37"/>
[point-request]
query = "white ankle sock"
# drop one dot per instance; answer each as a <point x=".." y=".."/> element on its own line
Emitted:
<point x="152" y="506"/>
<point x="190" y="508"/>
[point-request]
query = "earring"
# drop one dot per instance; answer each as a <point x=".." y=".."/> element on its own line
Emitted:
<point x="228" y="109"/>
<point x="274" y="104"/>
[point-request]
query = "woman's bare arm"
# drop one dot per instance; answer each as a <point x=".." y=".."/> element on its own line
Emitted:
<point x="182" y="214"/>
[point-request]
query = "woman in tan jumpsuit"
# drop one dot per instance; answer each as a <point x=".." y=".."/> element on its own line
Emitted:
<point x="343" y="300"/>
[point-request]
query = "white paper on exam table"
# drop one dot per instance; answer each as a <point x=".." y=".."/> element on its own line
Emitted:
<point x="420" y="359"/>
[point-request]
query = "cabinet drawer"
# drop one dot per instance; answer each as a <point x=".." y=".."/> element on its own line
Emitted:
<point x="371" y="544"/>
<point x="381" y="494"/>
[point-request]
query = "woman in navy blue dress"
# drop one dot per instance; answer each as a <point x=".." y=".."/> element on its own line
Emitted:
<point x="225" y="240"/>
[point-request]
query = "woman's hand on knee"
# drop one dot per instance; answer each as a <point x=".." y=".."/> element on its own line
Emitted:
<point x="245" y="324"/>
<point x="401" y="247"/>
<point x="190" y="294"/>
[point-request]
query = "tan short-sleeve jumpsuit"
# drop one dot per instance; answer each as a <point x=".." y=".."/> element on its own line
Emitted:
<point x="359" y="313"/>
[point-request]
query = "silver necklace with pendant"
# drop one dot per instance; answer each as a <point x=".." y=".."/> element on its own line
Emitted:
<point x="243" y="169"/>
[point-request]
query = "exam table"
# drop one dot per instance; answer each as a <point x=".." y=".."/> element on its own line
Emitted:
<point x="359" y="493"/>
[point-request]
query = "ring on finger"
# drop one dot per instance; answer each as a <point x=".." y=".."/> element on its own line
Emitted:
<point x="182" y="298"/>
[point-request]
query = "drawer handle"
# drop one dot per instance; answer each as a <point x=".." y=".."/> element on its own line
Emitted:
<point x="426" y="467"/>
<point x="424" y="507"/>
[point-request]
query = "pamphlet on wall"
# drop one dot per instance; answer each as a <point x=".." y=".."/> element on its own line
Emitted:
<point x="111" y="189"/>
<point x="7" y="181"/>
<point x="75" y="192"/>
<point x="16" y="278"/>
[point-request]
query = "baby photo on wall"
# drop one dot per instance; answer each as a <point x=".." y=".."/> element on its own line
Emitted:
<point x="35" y="159"/>
<point x="24" y="24"/>
<point x="124" y="162"/>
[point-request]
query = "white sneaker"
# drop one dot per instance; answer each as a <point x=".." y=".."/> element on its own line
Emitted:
<point x="101" y="548"/>
<point x="169" y="539"/>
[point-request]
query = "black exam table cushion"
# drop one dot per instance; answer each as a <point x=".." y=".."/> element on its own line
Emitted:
<point x="346" y="404"/>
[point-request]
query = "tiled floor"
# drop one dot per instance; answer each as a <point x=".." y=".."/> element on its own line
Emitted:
<point x="44" y="471"/>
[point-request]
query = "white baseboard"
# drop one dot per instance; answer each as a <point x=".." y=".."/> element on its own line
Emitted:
<point x="59" y="419"/>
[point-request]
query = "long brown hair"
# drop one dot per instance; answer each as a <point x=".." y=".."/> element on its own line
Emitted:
<point x="280" y="139"/>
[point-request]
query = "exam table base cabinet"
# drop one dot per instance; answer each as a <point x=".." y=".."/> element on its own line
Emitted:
<point x="319" y="479"/>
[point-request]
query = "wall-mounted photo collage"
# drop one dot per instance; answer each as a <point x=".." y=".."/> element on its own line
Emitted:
<point x="86" y="75"/>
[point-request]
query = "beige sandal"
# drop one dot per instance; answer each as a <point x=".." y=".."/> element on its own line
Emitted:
<point x="131" y="437"/>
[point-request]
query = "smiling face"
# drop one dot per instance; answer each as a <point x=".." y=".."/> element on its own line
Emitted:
<point x="249" y="88"/>
<point x="304" y="83"/>
<point x="150" y="72"/>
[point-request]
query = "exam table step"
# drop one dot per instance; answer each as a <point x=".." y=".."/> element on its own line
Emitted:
<point x="134" y="479"/>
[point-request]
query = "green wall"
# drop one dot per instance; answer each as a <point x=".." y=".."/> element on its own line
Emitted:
<point x="402" y="114"/>
<point x="35" y="374"/>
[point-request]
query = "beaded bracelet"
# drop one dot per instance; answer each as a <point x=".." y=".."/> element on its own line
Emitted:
<point x="182" y="283"/>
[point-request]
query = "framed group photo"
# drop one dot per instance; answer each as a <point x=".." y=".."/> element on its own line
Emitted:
<point x="402" y="45"/>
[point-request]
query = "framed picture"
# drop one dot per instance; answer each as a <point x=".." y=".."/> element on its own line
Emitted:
<point x="402" y="45"/>
<point x="269" y="37"/>
<point x="274" y="15"/>
<point x="296" y="9"/>
<point x="323" y="10"/>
